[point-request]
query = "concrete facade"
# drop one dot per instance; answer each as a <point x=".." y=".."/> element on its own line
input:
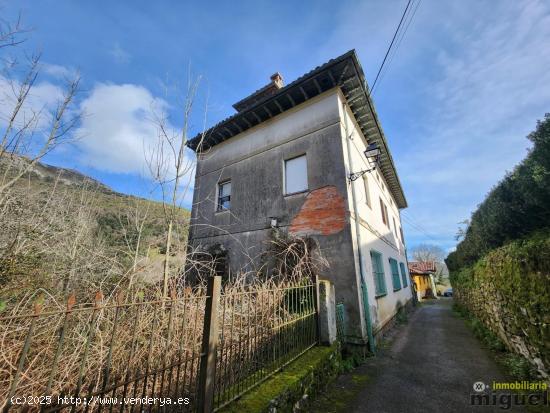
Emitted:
<point x="332" y="210"/>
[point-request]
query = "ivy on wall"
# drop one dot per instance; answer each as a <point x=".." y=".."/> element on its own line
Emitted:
<point x="509" y="291"/>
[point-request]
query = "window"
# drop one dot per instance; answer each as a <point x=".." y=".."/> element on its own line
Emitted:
<point x="404" y="275"/>
<point x="367" y="194"/>
<point x="402" y="237"/>
<point x="384" y="211"/>
<point x="395" y="275"/>
<point x="224" y="195"/>
<point x="296" y="175"/>
<point x="378" y="274"/>
<point x="395" y="228"/>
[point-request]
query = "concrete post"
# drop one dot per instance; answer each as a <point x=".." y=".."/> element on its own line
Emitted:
<point x="327" y="313"/>
<point x="207" y="373"/>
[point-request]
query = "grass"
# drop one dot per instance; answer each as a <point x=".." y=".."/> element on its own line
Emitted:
<point x="287" y="380"/>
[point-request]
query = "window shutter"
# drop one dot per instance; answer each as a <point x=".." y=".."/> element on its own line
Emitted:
<point x="403" y="274"/>
<point x="395" y="275"/>
<point x="378" y="274"/>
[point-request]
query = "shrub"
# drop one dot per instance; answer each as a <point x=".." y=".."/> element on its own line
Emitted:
<point x="508" y="293"/>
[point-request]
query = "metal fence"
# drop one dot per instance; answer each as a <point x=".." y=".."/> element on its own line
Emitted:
<point x="260" y="331"/>
<point x="102" y="354"/>
<point x="200" y="350"/>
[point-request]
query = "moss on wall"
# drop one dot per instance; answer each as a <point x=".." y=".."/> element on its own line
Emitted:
<point x="509" y="291"/>
<point x="291" y="389"/>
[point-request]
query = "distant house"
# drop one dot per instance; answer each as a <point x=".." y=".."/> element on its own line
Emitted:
<point x="293" y="159"/>
<point x="423" y="276"/>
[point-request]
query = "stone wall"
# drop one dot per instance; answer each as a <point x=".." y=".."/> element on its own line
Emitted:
<point x="509" y="291"/>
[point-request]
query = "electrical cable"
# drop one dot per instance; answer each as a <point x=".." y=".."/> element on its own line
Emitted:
<point x="390" y="46"/>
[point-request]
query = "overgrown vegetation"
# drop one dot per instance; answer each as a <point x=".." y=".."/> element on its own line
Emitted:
<point x="61" y="232"/>
<point x="88" y="347"/>
<point x="508" y="291"/>
<point x="61" y="235"/>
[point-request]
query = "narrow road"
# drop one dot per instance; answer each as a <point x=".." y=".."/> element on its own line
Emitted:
<point x="430" y="365"/>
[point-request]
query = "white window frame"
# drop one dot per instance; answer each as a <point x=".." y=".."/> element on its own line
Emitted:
<point x="285" y="191"/>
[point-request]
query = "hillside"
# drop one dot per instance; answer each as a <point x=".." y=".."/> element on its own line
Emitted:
<point x="63" y="231"/>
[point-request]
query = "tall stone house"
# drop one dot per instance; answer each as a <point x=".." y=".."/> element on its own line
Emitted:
<point x="293" y="158"/>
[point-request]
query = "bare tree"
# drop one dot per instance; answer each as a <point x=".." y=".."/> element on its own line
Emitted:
<point x="22" y="142"/>
<point x="172" y="169"/>
<point x="428" y="253"/>
<point x="27" y="133"/>
<point x="11" y="34"/>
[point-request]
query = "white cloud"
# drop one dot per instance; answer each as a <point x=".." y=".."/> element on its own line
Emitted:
<point x="492" y="86"/>
<point x="58" y="71"/>
<point x="40" y="102"/>
<point x="117" y="131"/>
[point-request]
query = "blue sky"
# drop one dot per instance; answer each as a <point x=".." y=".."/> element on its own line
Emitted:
<point x="466" y="85"/>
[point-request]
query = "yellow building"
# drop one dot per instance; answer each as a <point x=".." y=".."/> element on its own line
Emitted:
<point x="422" y="274"/>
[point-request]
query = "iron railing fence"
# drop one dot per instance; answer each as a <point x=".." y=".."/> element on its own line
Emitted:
<point x="103" y="353"/>
<point x="197" y="351"/>
<point x="261" y="331"/>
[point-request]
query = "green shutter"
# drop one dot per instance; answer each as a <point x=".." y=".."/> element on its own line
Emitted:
<point x="395" y="275"/>
<point x="403" y="274"/>
<point x="378" y="274"/>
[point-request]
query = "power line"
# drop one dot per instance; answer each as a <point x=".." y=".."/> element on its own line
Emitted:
<point x="391" y="44"/>
<point x="400" y="37"/>
<point x="394" y="50"/>
<point x="417" y="227"/>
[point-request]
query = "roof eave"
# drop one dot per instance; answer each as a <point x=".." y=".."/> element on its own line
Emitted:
<point x="264" y="110"/>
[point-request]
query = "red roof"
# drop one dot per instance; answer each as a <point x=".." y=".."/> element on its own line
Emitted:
<point x="422" y="267"/>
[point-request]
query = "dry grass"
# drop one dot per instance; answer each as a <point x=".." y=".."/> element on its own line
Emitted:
<point x="97" y="346"/>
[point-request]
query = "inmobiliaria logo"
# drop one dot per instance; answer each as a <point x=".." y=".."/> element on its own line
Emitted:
<point x="508" y="394"/>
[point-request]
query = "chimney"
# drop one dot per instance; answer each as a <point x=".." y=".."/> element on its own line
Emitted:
<point x="269" y="89"/>
<point x="277" y="80"/>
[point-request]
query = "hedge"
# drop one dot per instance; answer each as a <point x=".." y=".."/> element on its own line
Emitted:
<point x="509" y="291"/>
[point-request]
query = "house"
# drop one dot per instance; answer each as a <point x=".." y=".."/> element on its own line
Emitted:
<point x="423" y="276"/>
<point x="293" y="159"/>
